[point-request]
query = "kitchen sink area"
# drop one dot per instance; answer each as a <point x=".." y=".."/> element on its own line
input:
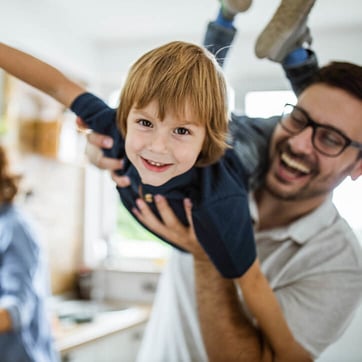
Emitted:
<point x="84" y="311"/>
<point x="81" y="326"/>
<point x="105" y="319"/>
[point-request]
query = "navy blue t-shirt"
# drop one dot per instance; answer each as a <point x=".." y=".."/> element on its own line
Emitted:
<point x="218" y="192"/>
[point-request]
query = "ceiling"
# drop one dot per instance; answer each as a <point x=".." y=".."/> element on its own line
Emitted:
<point x="117" y="19"/>
<point x="93" y="38"/>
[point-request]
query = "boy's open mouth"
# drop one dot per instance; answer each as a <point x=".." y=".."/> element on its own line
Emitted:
<point x="155" y="165"/>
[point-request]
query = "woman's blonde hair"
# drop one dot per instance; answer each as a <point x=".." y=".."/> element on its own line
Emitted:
<point x="8" y="182"/>
<point x="175" y="74"/>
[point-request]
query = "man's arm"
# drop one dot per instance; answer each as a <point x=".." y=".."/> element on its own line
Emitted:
<point x="264" y="306"/>
<point x="227" y="333"/>
<point x="217" y="296"/>
<point x="39" y="75"/>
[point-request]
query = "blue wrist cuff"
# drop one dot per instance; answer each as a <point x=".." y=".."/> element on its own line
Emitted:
<point x="224" y="22"/>
<point x="297" y="56"/>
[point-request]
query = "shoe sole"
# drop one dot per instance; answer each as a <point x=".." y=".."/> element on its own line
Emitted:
<point x="236" y="6"/>
<point x="284" y="24"/>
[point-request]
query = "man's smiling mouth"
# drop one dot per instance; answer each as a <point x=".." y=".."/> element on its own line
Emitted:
<point x="294" y="165"/>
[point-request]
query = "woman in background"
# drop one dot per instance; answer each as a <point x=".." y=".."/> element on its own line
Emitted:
<point x="25" y="333"/>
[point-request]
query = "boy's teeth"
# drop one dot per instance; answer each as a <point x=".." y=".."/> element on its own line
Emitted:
<point x="294" y="164"/>
<point x="155" y="163"/>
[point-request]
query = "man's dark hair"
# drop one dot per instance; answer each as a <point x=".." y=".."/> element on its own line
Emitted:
<point x="343" y="75"/>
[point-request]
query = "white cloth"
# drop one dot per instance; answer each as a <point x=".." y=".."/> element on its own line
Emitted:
<point x="314" y="266"/>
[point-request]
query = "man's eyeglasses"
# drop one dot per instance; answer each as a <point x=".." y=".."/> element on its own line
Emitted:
<point x="328" y="140"/>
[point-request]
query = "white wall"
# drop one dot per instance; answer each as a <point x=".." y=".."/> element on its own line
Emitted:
<point x="97" y="41"/>
<point x="247" y="73"/>
<point x="349" y="347"/>
<point x="38" y="28"/>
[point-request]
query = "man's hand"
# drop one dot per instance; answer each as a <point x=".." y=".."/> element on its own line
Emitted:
<point x="95" y="155"/>
<point x="170" y="227"/>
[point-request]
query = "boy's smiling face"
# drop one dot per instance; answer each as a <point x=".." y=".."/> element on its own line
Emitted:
<point x="162" y="149"/>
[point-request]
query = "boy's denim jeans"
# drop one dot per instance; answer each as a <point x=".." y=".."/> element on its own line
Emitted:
<point x="218" y="40"/>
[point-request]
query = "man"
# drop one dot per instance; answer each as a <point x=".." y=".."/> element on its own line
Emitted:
<point x="310" y="256"/>
<point x="308" y="253"/>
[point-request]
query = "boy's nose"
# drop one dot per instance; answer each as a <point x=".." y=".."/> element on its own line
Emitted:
<point x="159" y="142"/>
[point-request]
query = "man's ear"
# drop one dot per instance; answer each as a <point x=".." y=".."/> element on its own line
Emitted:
<point x="357" y="170"/>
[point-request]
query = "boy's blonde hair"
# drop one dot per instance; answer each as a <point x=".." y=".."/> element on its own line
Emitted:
<point x="173" y="74"/>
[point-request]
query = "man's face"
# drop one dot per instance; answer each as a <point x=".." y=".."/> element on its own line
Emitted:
<point x="297" y="170"/>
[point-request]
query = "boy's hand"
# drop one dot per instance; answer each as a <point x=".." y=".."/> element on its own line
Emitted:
<point x="95" y="155"/>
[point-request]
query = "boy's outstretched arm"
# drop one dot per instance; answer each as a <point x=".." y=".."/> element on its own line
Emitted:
<point x="39" y="75"/>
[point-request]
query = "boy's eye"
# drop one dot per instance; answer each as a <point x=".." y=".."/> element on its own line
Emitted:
<point x="182" y="131"/>
<point x="144" y="123"/>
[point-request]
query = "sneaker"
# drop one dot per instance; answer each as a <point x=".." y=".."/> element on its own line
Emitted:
<point x="286" y="31"/>
<point x="231" y="7"/>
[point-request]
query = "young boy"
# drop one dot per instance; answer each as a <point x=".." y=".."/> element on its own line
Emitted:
<point x="172" y="122"/>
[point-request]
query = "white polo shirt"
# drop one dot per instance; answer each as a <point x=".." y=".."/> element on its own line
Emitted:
<point x="314" y="267"/>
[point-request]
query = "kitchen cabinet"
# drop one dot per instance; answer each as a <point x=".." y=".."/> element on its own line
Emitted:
<point x="110" y="333"/>
<point x="118" y="347"/>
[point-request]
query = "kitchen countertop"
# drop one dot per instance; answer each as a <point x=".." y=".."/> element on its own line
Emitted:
<point x="70" y="335"/>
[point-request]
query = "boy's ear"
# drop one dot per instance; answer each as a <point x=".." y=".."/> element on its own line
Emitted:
<point x="357" y="170"/>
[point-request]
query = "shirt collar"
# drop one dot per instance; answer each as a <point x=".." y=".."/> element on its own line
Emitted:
<point x="176" y="188"/>
<point x="303" y="228"/>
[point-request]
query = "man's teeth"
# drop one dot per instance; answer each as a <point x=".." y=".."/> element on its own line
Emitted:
<point x="290" y="162"/>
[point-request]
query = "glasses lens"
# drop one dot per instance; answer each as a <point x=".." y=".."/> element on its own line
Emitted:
<point x="325" y="139"/>
<point x="328" y="141"/>
<point x="293" y="120"/>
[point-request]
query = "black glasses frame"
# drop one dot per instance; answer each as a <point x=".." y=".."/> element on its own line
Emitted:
<point x="315" y="125"/>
